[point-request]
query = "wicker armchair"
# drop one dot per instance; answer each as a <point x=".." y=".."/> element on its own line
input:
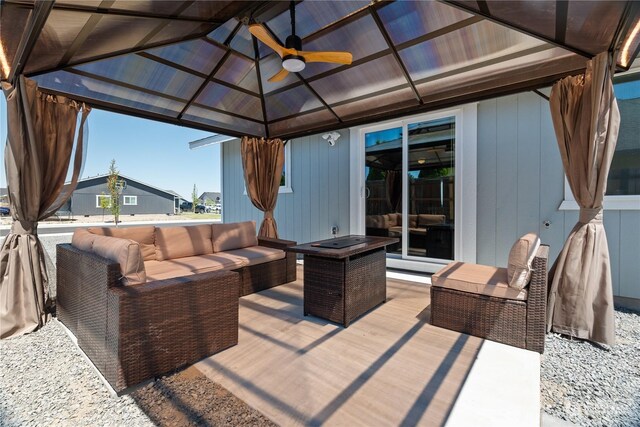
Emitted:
<point x="516" y="322"/>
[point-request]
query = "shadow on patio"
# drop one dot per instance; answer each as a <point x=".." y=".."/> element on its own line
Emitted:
<point x="390" y="367"/>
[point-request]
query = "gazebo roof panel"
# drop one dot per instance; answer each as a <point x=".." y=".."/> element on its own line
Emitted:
<point x="316" y="120"/>
<point x="223" y="123"/>
<point x="590" y="24"/>
<point x="291" y="102"/>
<point x="474" y="44"/>
<point x="374" y="76"/>
<point x="145" y="74"/>
<point x="360" y="37"/>
<point x="85" y="88"/>
<point x="221" y="33"/>
<point x="57" y="36"/>
<point x="197" y="55"/>
<point x="194" y="63"/>
<point x="243" y="42"/>
<point x="239" y="71"/>
<point x="406" y="21"/>
<point x="14" y="21"/>
<point x="311" y="16"/>
<point x="231" y="101"/>
<point x="386" y="101"/>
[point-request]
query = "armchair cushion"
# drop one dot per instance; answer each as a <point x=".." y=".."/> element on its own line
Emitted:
<point x="183" y="241"/>
<point x="126" y="253"/>
<point x="236" y="235"/>
<point x="145" y="236"/>
<point x="477" y="279"/>
<point x="520" y="259"/>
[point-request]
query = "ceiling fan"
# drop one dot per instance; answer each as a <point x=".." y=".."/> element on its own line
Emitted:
<point x="293" y="57"/>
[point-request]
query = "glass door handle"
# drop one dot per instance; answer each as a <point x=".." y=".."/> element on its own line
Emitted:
<point x="367" y="192"/>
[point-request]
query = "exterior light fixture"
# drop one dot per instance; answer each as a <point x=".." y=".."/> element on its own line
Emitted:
<point x="422" y="161"/>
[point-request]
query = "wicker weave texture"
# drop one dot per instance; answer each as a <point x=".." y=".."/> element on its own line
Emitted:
<point x="342" y="290"/>
<point x="161" y="326"/>
<point x="517" y="323"/>
<point x="365" y="283"/>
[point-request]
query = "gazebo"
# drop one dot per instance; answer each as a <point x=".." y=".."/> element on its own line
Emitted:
<point x="197" y="64"/>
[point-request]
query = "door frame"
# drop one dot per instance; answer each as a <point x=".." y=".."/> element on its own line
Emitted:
<point x="466" y="153"/>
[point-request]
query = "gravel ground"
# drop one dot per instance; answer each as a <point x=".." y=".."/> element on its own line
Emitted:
<point x="592" y="385"/>
<point x="44" y="380"/>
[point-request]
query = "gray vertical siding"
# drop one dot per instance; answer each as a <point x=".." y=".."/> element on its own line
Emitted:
<point x="521" y="184"/>
<point x="320" y="184"/>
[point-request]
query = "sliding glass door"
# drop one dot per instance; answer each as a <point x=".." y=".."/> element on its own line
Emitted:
<point x="410" y="186"/>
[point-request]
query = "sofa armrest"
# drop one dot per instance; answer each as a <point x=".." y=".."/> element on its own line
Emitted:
<point x="537" y="301"/>
<point x="275" y="243"/>
<point x="159" y="326"/>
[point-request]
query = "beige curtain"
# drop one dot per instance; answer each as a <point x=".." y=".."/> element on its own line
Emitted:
<point x="262" y="161"/>
<point x="586" y="120"/>
<point x="40" y="144"/>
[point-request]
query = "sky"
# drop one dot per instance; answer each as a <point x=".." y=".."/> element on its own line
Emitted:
<point x="155" y="153"/>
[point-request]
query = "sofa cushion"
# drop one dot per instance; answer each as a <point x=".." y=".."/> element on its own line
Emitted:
<point x="183" y="241"/>
<point x="413" y="221"/>
<point x="477" y="279"/>
<point x="520" y="259"/>
<point x="145" y="236"/>
<point x="426" y="219"/>
<point x="393" y="219"/>
<point x="159" y="270"/>
<point x="377" y="221"/>
<point x="235" y="235"/>
<point x="257" y="254"/>
<point x="125" y="252"/>
<point x="82" y="239"/>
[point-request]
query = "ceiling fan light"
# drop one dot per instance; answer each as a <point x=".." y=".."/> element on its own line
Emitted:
<point x="293" y="64"/>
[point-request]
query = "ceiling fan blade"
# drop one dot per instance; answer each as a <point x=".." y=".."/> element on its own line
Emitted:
<point x="263" y="35"/>
<point x="280" y="75"/>
<point x="333" y="57"/>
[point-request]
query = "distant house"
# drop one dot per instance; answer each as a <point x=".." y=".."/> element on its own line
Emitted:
<point x="212" y="198"/>
<point x="136" y="198"/>
<point x="177" y="201"/>
<point x="4" y="195"/>
<point x="209" y="196"/>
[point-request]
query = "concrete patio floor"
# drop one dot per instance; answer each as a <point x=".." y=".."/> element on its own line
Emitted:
<point x="390" y="367"/>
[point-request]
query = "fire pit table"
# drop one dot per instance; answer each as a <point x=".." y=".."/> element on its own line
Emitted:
<point x="344" y="277"/>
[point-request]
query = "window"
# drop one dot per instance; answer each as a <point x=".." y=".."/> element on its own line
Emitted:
<point x="103" y="201"/>
<point x="130" y="200"/>
<point x="623" y="184"/>
<point x="624" y="175"/>
<point x="285" y="180"/>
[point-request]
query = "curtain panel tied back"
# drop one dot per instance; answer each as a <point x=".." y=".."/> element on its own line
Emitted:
<point x="262" y="162"/>
<point x="586" y="120"/>
<point x="39" y="149"/>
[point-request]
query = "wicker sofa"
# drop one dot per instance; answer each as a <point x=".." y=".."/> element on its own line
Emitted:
<point x="137" y="323"/>
<point x="475" y="300"/>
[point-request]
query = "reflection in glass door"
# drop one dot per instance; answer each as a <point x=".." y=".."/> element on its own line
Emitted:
<point x="383" y="185"/>
<point x="431" y="198"/>
<point x="409" y="187"/>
